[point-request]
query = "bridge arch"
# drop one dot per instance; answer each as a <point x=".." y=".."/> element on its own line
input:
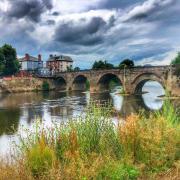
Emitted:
<point x="80" y="83"/>
<point x="105" y="79"/>
<point x="60" y="83"/>
<point x="141" y="79"/>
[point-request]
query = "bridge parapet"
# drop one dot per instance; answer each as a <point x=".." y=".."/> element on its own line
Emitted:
<point x="129" y="78"/>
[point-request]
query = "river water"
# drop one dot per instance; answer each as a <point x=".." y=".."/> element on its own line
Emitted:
<point x="23" y="109"/>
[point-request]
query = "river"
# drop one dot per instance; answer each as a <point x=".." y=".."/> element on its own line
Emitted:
<point x="23" y="109"/>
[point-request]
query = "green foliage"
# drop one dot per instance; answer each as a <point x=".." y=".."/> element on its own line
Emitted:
<point x="119" y="171"/>
<point x="87" y="85"/>
<point x="176" y="60"/>
<point x="171" y="114"/>
<point x="102" y="65"/>
<point x="92" y="147"/>
<point x="69" y="69"/>
<point x="77" y="69"/>
<point x="2" y="62"/>
<point x="113" y="83"/>
<point x="9" y="64"/>
<point x="127" y="63"/>
<point x="45" y="86"/>
<point x="40" y="158"/>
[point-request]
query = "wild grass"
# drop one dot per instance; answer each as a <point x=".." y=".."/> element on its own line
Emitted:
<point x="93" y="147"/>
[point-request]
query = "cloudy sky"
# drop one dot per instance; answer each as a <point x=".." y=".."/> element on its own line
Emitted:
<point x="147" y="31"/>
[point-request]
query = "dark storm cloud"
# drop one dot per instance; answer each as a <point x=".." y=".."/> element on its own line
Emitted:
<point x="51" y="22"/>
<point x="30" y="9"/>
<point x="55" y="13"/>
<point x="83" y="33"/>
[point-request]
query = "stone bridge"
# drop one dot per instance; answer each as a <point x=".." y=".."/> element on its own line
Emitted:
<point x="131" y="79"/>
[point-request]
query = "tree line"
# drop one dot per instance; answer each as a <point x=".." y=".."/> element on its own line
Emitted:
<point x="127" y="63"/>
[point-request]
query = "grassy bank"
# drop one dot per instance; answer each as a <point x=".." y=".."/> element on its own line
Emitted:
<point x="93" y="147"/>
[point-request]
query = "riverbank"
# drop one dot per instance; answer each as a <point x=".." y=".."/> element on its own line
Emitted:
<point x="24" y="84"/>
<point x="93" y="147"/>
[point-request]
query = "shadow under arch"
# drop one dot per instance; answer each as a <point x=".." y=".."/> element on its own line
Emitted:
<point x="104" y="81"/>
<point x="80" y="83"/>
<point x="60" y="84"/>
<point x="140" y="81"/>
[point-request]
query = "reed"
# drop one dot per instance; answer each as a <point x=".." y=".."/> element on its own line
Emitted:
<point x="93" y="147"/>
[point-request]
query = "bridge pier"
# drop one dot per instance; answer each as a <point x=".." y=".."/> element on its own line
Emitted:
<point x="131" y="79"/>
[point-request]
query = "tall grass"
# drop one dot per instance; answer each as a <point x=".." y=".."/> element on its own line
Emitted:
<point x="93" y="147"/>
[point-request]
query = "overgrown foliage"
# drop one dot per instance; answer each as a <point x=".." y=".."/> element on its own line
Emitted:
<point x="93" y="147"/>
<point x="45" y="86"/>
<point x="176" y="60"/>
<point x="9" y="64"/>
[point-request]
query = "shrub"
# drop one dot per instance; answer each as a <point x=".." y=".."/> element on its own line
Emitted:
<point x="40" y="158"/>
<point x="149" y="141"/>
<point x="116" y="171"/>
<point x="45" y="86"/>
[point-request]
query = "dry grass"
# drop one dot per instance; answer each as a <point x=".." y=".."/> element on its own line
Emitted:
<point x="92" y="147"/>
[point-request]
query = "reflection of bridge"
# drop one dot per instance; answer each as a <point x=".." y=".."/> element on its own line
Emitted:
<point x="132" y="79"/>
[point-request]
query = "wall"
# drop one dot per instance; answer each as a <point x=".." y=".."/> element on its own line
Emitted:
<point x="26" y="84"/>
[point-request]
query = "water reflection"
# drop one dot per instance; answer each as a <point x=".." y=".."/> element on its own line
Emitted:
<point x="24" y="109"/>
<point x="7" y="125"/>
<point x="152" y="99"/>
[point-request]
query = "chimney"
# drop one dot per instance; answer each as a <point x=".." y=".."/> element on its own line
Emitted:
<point x="27" y="57"/>
<point x="39" y="57"/>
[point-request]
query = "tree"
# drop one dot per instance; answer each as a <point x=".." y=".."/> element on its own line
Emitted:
<point x="102" y="65"/>
<point x="8" y="60"/>
<point x="2" y="62"/>
<point x="69" y="69"/>
<point x="76" y="69"/>
<point x="176" y="60"/>
<point x="126" y="63"/>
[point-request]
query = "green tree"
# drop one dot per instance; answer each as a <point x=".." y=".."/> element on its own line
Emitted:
<point x="102" y="65"/>
<point x="10" y="62"/>
<point x="176" y="60"/>
<point x="126" y="63"/>
<point x="69" y="69"/>
<point x="76" y="69"/>
<point x="2" y="62"/>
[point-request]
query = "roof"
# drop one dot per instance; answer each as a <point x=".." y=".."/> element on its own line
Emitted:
<point x="60" y="58"/>
<point x="31" y="58"/>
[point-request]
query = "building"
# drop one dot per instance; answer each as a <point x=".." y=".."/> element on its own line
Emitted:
<point x="59" y="63"/>
<point x="44" y="71"/>
<point x="30" y="63"/>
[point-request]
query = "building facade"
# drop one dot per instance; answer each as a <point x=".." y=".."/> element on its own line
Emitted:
<point x="59" y="63"/>
<point x="30" y="63"/>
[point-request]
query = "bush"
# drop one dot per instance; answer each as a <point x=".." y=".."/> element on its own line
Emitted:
<point x="40" y="158"/>
<point x="116" y="171"/>
<point x="45" y="86"/>
<point x="149" y="141"/>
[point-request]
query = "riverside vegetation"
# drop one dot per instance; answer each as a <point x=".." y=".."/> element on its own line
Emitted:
<point x="93" y="147"/>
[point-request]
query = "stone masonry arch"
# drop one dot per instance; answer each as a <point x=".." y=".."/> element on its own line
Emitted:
<point x="141" y="79"/>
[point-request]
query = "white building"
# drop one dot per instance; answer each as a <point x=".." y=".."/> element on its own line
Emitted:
<point x="30" y="63"/>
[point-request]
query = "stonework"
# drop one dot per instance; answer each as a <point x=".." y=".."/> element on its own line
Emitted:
<point x="132" y="79"/>
<point x="16" y="85"/>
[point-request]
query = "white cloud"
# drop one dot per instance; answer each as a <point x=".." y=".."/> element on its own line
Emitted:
<point x="74" y="6"/>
